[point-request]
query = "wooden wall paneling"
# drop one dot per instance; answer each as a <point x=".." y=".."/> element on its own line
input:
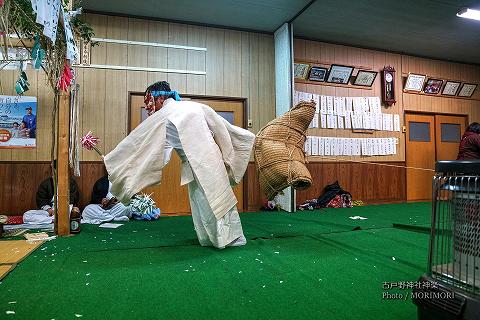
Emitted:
<point x="177" y="58"/>
<point x="341" y="54"/>
<point x="232" y="75"/>
<point x="137" y="56"/>
<point x="116" y="53"/>
<point x="266" y="81"/>
<point x="215" y="51"/>
<point x="99" y="51"/>
<point x="157" y="56"/>
<point x="196" y="60"/>
<point x="254" y="84"/>
<point x="7" y="87"/>
<point x="6" y="199"/>
<point x="23" y="178"/>
<point x="246" y="76"/>
<point x="116" y="106"/>
<point x="137" y="81"/>
<point x="93" y="116"/>
<point x="90" y="173"/>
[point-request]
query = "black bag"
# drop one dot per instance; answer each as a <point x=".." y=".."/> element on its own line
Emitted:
<point x="329" y="192"/>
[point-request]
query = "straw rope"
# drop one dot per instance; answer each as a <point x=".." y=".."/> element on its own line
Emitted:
<point x="378" y="164"/>
<point x="279" y="150"/>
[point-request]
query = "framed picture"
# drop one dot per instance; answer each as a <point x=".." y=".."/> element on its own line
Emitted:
<point x="339" y="74"/>
<point x="433" y="86"/>
<point x="451" y="88"/>
<point x="318" y="74"/>
<point x="300" y="70"/>
<point x="365" y="78"/>
<point x="467" y="90"/>
<point x="414" y="82"/>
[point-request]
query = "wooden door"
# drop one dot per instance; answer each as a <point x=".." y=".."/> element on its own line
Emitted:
<point x="169" y="196"/>
<point x="448" y="132"/>
<point x="420" y="153"/>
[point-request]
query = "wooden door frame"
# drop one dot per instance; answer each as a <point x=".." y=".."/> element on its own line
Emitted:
<point x="244" y="101"/>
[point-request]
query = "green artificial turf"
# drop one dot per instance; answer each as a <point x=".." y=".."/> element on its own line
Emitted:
<point x="307" y="265"/>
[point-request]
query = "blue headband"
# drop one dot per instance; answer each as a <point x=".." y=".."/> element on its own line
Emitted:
<point x="166" y="93"/>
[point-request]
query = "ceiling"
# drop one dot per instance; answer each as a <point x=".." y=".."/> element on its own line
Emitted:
<point x="427" y="28"/>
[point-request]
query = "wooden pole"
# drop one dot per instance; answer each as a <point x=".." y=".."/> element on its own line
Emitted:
<point x="63" y="141"/>
<point x="63" y="186"/>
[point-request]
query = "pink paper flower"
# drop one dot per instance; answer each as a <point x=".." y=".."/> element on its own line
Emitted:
<point x="89" y="142"/>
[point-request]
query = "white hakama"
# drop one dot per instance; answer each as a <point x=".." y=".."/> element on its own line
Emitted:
<point x="210" y="230"/>
<point x="95" y="214"/>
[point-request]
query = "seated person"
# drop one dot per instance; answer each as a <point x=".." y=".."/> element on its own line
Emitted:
<point x="104" y="206"/>
<point x="469" y="148"/>
<point x="45" y="194"/>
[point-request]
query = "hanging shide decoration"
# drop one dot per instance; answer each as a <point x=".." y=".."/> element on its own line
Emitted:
<point x="49" y="32"/>
<point x="51" y="29"/>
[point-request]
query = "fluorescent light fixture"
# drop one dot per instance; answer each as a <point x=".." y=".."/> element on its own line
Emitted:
<point x="469" y="14"/>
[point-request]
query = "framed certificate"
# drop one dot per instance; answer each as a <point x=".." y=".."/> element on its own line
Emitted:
<point x="451" y="88"/>
<point x="415" y="82"/>
<point x="339" y="74"/>
<point x="301" y="70"/>
<point x="467" y="90"/>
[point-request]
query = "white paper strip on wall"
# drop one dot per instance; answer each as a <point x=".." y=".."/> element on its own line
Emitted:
<point x="336" y="101"/>
<point x="378" y="121"/>
<point x="330" y="121"/>
<point x="384" y="145"/>
<point x="308" y="146"/>
<point x="321" y="146"/>
<point x="349" y="104"/>
<point x="340" y="122"/>
<point x="348" y="121"/>
<point x="323" y="104"/>
<point x="365" y="106"/>
<point x="374" y="103"/>
<point x="333" y="146"/>
<point x="384" y="122"/>
<point x="316" y="99"/>
<point x="358" y="148"/>
<point x="339" y="147"/>
<point x="357" y="105"/>
<point x="329" y="105"/>
<point x="315" y="120"/>
<point x="314" y="146"/>
<point x="296" y="98"/>
<point x="327" y="146"/>
<point x="323" y="121"/>
<point x="395" y="140"/>
<point x="364" y="146"/>
<point x="347" y="147"/>
<point x="376" y="147"/>
<point x="396" y="122"/>
<point x="367" y="123"/>
<point x="341" y="106"/>
<point x="390" y="122"/>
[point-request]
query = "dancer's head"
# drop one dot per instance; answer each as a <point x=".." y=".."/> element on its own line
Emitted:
<point x="156" y="94"/>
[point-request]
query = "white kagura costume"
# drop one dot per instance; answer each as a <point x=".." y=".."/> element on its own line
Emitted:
<point x="214" y="156"/>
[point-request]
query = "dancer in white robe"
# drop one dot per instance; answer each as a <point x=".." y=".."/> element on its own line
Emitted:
<point x="104" y="207"/>
<point x="214" y="155"/>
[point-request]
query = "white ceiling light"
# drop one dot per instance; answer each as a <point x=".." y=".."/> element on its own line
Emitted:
<point x="469" y="14"/>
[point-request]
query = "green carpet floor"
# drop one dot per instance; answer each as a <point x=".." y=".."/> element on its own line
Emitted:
<point x="308" y="265"/>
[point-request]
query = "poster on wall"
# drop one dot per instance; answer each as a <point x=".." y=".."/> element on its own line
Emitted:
<point x="18" y="122"/>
